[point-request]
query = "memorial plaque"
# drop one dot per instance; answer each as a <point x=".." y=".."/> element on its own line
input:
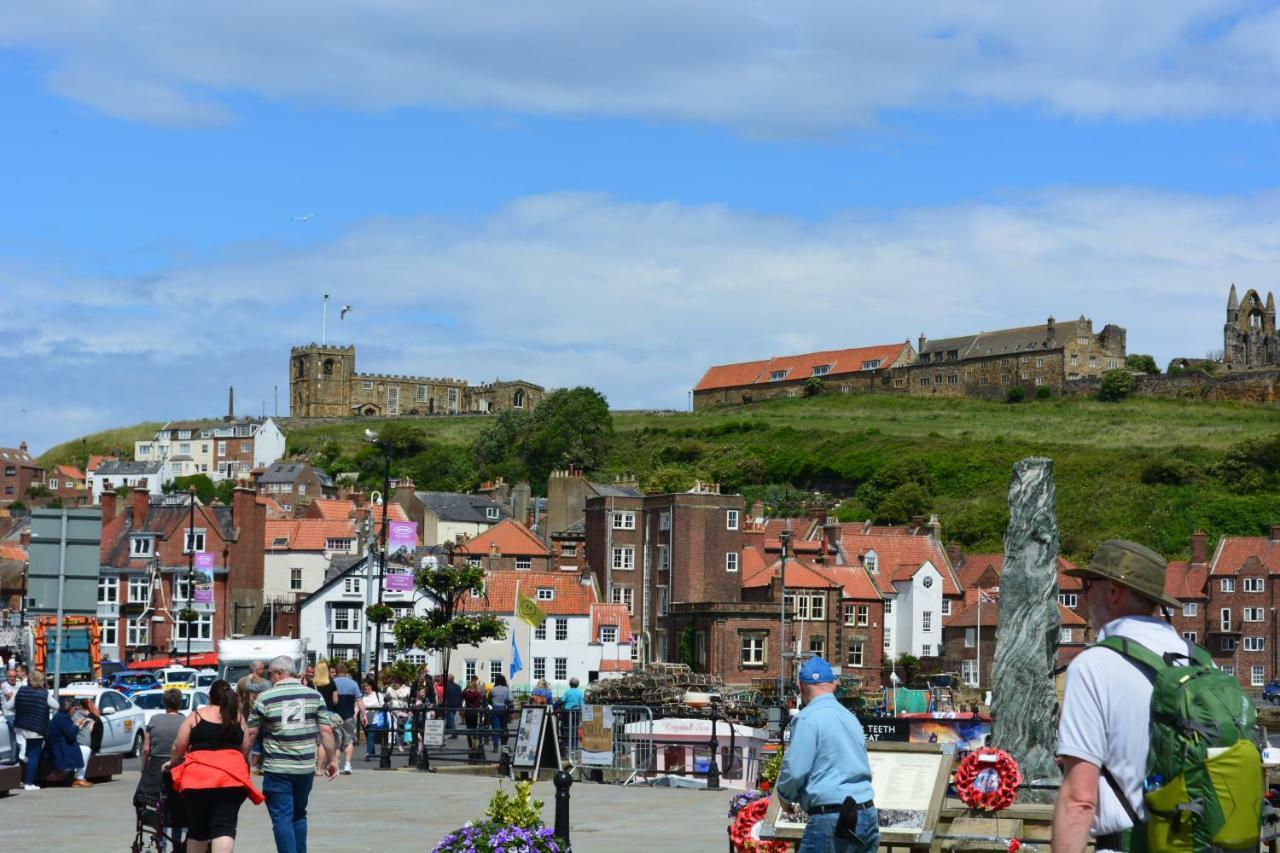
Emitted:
<point x="433" y="732"/>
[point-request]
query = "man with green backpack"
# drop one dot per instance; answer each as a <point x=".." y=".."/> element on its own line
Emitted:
<point x="1159" y="748"/>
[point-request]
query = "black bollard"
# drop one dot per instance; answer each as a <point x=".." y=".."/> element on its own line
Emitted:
<point x="713" y="769"/>
<point x="562" y="780"/>
<point x="384" y="760"/>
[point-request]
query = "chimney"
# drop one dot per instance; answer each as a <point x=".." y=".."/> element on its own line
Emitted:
<point x="23" y="447"/>
<point x="231" y="403"/>
<point x="140" y="500"/>
<point x="1275" y="533"/>
<point x="955" y="554"/>
<point x="1198" y="556"/>
<point x="403" y="493"/>
<point x="819" y="515"/>
<point x="757" y="512"/>
<point x="917" y="523"/>
<point x="244" y="502"/>
<point x="831" y="538"/>
<point x="935" y="529"/>
<point x="108" y="501"/>
<point x="25" y="538"/>
<point x="1052" y="330"/>
<point x="920" y="348"/>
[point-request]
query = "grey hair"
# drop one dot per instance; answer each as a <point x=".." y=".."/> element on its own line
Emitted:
<point x="282" y="665"/>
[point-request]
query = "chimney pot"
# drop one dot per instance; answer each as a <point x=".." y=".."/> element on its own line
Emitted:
<point x="1198" y="553"/>
<point x="141" y="503"/>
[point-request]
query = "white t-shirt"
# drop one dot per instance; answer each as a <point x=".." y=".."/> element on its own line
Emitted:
<point x="1106" y="714"/>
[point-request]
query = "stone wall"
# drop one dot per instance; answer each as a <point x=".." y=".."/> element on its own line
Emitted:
<point x="1251" y="386"/>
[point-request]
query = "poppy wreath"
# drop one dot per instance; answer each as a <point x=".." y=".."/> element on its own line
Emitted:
<point x="740" y="832"/>
<point x="988" y="779"/>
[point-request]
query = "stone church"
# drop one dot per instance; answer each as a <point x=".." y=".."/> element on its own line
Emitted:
<point x="323" y="383"/>
<point x="1249" y="337"/>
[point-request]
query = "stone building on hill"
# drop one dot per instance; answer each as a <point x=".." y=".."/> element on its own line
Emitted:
<point x="323" y="383"/>
<point x="990" y="363"/>
<point x="859" y="369"/>
<point x="1249" y="338"/>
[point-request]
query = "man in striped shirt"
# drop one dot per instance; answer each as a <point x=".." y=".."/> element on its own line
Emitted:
<point x="288" y="715"/>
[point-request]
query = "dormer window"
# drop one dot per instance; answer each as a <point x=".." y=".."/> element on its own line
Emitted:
<point x="491" y="513"/>
<point x="871" y="561"/>
<point x="872" y="364"/>
<point x="821" y="369"/>
<point x="140" y="546"/>
<point x="546" y="593"/>
<point x="777" y="375"/>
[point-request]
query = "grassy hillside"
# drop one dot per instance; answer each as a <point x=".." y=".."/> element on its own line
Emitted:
<point x="1152" y="470"/>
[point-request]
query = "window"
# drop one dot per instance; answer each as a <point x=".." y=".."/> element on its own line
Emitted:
<point x="346" y="619"/>
<point x="969" y="672"/>
<point x="351" y="585"/>
<point x="952" y="379"/>
<point x="562" y="630"/>
<point x="495" y="669"/>
<point x="888" y="638"/>
<point x="856" y="656"/>
<point x="201" y="629"/>
<point x="871" y="561"/>
<point x="664" y="558"/>
<point x="562" y="669"/>
<point x="1068" y="599"/>
<point x="818" y="606"/>
<point x="1256" y="678"/>
<point x="1228" y="669"/>
<point x="850" y="614"/>
<point x="888" y="607"/>
<point x="608" y="633"/>
<point x="1039" y="361"/>
<point x="1254" y="644"/>
<point x="1189" y="609"/>
<point x="181" y="588"/>
<point x="1228" y="644"/>
<point x="1226" y="619"/>
<point x="367" y="385"/>
<point x="1189" y="635"/>
<point x="546" y="593"/>
<point x="470" y="668"/>
<point x="777" y="375"/>
<point x="753" y="649"/>
<point x="926" y="620"/>
<point x="393" y="400"/>
<point x="222" y="448"/>
<point x="1227" y="585"/>
<point x="473" y="562"/>
<point x="140" y="589"/>
<point x="108" y="591"/>
<point x="731" y="561"/>
<point x="871" y="364"/>
<point x="295" y="579"/>
<point x="924" y="381"/>
<point x="568" y="549"/>
<point x="420" y="394"/>
<point x="109" y="632"/>
<point x="194" y="540"/>
<point x="1064" y="635"/>
<point x="821" y="369"/>
<point x="137" y="632"/>
<point x="970" y="637"/>
<point x="539" y="669"/>
<point x="1253" y="584"/>
<point x="302" y="488"/>
<point x="864" y="615"/>
<point x="926" y="650"/>
<point x="664" y="521"/>
<point x="492" y="513"/>
<point x="524" y="562"/>
<point x="1253" y="614"/>
<point x="540" y="632"/>
<point x="731" y="519"/>
<point x="624" y="521"/>
<point x="622" y="595"/>
<point x="53" y="484"/>
<point x="946" y="607"/>
<point x="184" y="447"/>
<point x="338" y="544"/>
<point x="624" y="559"/>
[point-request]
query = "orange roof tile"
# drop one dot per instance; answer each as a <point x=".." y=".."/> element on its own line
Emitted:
<point x="305" y="534"/>
<point x="1186" y="582"/>
<point x="801" y="574"/>
<point x="968" y="618"/>
<point x="331" y="508"/>
<point x="898" y="556"/>
<point x="512" y="539"/>
<point x="797" y="366"/>
<point x="396" y="513"/>
<point x="96" y="459"/>
<point x="976" y="564"/>
<point x="856" y="582"/>
<point x="571" y="597"/>
<point x="13" y="551"/>
<point x="274" y="510"/>
<point x="1234" y="551"/>
<point x="69" y="471"/>
<point x="611" y="614"/>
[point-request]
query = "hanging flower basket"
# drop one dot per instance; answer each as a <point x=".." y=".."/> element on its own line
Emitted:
<point x="186" y="614"/>
<point x="379" y="614"/>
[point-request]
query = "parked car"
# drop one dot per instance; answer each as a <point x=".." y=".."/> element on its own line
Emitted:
<point x="205" y="678"/>
<point x="1271" y="692"/>
<point x="131" y="681"/>
<point x="180" y="677"/>
<point x="152" y="702"/>
<point x="122" y="721"/>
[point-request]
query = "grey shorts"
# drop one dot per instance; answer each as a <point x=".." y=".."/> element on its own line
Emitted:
<point x="345" y="734"/>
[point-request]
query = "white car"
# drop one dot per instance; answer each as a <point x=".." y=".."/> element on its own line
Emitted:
<point x="205" y="678"/>
<point x="122" y="721"/>
<point x="152" y="702"/>
<point x="177" y="676"/>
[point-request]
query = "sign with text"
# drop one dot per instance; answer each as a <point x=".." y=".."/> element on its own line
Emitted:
<point x="402" y="542"/>
<point x="399" y="581"/>
<point x="889" y="729"/>
<point x="433" y="732"/>
<point x="597" y="735"/>
<point x="204" y="564"/>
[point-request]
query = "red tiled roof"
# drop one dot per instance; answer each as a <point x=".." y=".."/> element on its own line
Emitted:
<point x="797" y="366"/>
<point x="1186" y="582"/>
<point x="331" y="508"/>
<point x="572" y="596"/>
<point x="968" y="618"/>
<point x="856" y="582"/>
<point x="69" y="471"/>
<point x="95" y="460"/>
<point x="611" y="614"/>
<point x="1234" y="551"/>
<point x="305" y="534"/>
<point x="274" y="510"/>
<point x="800" y="574"/>
<point x="798" y="546"/>
<point x="397" y="514"/>
<point x="975" y="564"/>
<point x="13" y="551"/>
<point x="799" y="527"/>
<point x="899" y="556"/>
<point x="511" y="537"/>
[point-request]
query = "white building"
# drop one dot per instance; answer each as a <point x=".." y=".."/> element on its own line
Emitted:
<point x="220" y="449"/>
<point x="580" y="638"/>
<point x="298" y="554"/>
<point x="114" y="474"/>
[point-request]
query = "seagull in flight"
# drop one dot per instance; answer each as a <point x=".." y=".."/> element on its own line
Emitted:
<point x="343" y="312"/>
<point x="304" y="217"/>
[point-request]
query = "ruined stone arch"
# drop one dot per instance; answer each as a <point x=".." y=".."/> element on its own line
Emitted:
<point x="1251" y="314"/>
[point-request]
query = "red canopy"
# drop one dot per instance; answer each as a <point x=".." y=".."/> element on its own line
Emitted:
<point x="208" y="659"/>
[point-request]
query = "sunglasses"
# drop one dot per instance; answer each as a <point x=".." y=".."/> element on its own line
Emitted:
<point x="1088" y="583"/>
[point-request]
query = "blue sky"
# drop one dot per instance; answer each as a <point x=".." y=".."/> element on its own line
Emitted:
<point x="607" y="194"/>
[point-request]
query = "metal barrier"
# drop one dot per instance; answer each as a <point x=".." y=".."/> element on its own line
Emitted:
<point x="460" y="743"/>
<point x="633" y="750"/>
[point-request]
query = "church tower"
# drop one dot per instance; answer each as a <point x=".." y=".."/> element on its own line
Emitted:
<point x="320" y="381"/>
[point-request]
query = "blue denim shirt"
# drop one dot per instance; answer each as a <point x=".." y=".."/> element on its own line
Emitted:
<point x="826" y="759"/>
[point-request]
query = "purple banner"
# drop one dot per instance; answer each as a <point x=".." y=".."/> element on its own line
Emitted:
<point x="402" y="543"/>
<point x="203" y="593"/>
<point x="399" y="581"/>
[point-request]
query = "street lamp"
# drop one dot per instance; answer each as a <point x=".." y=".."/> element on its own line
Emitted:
<point x="373" y="438"/>
<point x="191" y="569"/>
<point x="784" y="539"/>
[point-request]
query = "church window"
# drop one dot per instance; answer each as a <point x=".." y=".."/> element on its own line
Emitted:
<point x="517" y="399"/>
<point x="328" y="366"/>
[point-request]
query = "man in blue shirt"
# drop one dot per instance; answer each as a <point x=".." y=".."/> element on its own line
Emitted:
<point x="826" y="764"/>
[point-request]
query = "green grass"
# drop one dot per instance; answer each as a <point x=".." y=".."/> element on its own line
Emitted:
<point x="1151" y="470"/>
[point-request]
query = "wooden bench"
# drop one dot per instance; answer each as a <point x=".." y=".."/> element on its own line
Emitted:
<point x="101" y="769"/>
<point x="10" y="778"/>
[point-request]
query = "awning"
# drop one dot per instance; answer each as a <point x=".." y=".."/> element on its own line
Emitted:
<point x="206" y="659"/>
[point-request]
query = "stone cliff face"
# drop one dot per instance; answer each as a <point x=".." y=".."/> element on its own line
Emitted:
<point x="1025" y="702"/>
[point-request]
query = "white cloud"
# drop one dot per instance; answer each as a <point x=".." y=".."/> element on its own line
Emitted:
<point x="634" y="299"/>
<point x="808" y="67"/>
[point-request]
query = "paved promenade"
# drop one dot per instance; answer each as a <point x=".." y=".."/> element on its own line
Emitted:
<point x="371" y="812"/>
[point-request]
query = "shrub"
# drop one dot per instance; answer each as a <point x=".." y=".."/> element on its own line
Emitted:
<point x="1141" y="363"/>
<point x="1044" y="392"/>
<point x="1116" y="385"/>
<point x="513" y="823"/>
<point x="1015" y="395"/>
<point x="1165" y="473"/>
<point x="812" y="386"/>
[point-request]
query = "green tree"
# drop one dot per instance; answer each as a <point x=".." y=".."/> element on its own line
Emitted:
<point x="1141" y="363"/>
<point x="1116" y="385"/>
<point x="813" y="386"/>
<point x="569" y="426"/>
<point x="446" y="626"/>
<point x="205" y="489"/>
<point x="500" y="447"/>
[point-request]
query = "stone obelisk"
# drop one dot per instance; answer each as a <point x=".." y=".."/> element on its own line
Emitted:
<point x="1025" y="701"/>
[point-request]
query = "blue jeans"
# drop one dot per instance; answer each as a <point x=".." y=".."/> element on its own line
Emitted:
<point x="820" y="834"/>
<point x="35" y="745"/>
<point x="287" y="795"/>
<point x="498" y="719"/>
<point x="372" y="738"/>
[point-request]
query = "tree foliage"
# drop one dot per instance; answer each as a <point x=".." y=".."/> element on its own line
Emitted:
<point x="206" y="490"/>
<point x="1116" y="386"/>
<point x="447" y="626"/>
<point x="1141" y="363"/>
<point x="570" y="426"/>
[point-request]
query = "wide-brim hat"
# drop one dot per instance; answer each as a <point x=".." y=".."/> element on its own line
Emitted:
<point x="1131" y="565"/>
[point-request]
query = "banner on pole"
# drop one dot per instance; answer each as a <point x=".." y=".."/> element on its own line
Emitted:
<point x="402" y="543"/>
<point x="203" y="593"/>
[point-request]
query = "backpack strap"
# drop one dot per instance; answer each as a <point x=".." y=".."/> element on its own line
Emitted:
<point x="1137" y="653"/>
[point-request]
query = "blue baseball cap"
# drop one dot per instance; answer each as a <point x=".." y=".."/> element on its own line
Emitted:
<point x="816" y="671"/>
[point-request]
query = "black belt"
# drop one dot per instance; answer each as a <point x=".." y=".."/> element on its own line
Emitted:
<point x="835" y="808"/>
<point x="1113" y="841"/>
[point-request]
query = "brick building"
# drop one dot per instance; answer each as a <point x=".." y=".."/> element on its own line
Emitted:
<point x="68" y="484"/>
<point x="507" y="546"/>
<point x="969" y="638"/>
<point x="293" y="485"/>
<point x="845" y="370"/>
<point x="18" y="472"/>
<point x="144" y="581"/>
<point x="220" y="449"/>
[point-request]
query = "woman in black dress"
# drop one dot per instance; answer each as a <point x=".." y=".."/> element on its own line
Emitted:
<point x="212" y="811"/>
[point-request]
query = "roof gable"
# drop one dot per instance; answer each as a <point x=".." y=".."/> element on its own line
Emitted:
<point x="509" y="537"/>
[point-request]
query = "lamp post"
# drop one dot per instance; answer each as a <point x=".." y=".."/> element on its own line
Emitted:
<point x="372" y="437"/>
<point x="784" y="539"/>
<point x="191" y="568"/>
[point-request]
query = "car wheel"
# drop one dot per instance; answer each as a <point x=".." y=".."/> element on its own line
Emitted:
<point x="137" y="747"/>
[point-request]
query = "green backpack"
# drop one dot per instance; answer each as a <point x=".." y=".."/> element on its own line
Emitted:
<point x="1204" y="781"/>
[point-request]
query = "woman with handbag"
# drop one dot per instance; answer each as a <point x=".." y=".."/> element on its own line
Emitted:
<point x="374" y="717"/>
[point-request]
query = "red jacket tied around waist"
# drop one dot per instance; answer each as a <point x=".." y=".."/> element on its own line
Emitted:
<point x="214" y="768"/>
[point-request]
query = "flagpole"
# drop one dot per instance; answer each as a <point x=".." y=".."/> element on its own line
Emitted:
<point x="979" y="641"/>
<point x="515" y="625"/>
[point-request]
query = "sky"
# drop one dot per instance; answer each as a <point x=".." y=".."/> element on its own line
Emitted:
<point x="605" y="193"/>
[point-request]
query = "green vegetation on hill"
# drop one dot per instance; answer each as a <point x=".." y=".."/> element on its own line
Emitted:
<point x="1147" y="469"/>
